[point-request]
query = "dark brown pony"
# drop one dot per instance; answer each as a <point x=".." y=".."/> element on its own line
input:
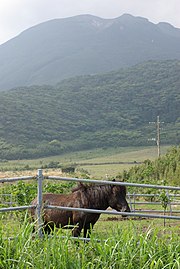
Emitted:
<point x="83" y="196"/>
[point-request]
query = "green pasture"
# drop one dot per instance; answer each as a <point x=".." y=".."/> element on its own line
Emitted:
<point x="93" y="162"/>
<point x="132" y="243"/>
<point x="104" y="171"/>
<point x="11" y="223"/>
<point x="128" y="157"/>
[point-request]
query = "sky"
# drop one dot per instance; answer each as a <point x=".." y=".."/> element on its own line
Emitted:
<point x="19" y="15"/>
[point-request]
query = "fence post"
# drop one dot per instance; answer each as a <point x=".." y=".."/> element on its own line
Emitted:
<point x="130" y="202"/>
<point x="169" y="201"/>
<point x="134" y="200"/>
<point x="39" y="202"/>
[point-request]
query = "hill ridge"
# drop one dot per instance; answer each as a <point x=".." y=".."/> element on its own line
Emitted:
<point x="81" y="45"/>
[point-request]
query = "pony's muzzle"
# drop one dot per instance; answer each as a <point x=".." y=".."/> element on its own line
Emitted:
<point x="125" y="209"/>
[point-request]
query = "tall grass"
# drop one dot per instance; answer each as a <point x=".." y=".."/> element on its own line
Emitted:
<point x="124" y="248"/>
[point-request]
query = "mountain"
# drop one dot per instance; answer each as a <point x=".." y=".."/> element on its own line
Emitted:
<point x="85" y="112"/>
<point x="85" y="44"/>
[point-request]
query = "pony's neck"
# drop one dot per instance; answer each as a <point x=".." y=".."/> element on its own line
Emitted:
<point x="99" y="197"/>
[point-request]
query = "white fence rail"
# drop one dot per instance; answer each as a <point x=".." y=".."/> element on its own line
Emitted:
<point x="38" y="207"/>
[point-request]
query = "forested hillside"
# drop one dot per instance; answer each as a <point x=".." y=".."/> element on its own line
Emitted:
<point x="107" y="110"/>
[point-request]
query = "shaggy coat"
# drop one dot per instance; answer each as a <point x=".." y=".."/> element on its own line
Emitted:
<point x="83" y="196"/>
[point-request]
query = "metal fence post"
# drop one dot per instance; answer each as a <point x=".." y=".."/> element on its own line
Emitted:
<point x="130" y="202"/>
<point x="39" y="202"/>
<point x="169" y="201"/>
<point x="134" y="198"/>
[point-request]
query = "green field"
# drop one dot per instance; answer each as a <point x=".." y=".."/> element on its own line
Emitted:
<point x="95" y="161"/>
<point x="132" y="243"/>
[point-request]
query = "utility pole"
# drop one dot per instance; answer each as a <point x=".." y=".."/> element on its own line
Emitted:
<point x="157" y="139"/>
<point x="158" y="136"/>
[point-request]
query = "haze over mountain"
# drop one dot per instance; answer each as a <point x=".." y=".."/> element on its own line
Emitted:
<point x="85" y="44"/>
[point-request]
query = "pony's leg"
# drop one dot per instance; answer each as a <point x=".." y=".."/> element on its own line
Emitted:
<point x="77" y="230"/>
<point x="78" y="224"/>
<point x="48" y="228"/>
<point x="88" y="230"/>
<point x="85" y="231"/>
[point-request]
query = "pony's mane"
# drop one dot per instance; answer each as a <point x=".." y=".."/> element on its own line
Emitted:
<point x="85" y="187"/>
<point x="94" y="187"/>
<point x="97" y="196"/>
<point x="123" y="189"/>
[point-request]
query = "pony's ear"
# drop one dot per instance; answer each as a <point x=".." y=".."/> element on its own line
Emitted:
<point x="80" y="186"/>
